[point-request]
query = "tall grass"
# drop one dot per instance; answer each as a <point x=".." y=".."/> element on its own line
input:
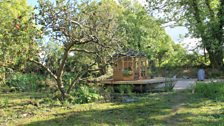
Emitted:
<point x="213" y="91"/>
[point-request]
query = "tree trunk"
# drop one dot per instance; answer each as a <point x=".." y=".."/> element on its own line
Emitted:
<point x="61" y="89"/>
<point x="216" y="58"/>
<point x="215" y="55"/>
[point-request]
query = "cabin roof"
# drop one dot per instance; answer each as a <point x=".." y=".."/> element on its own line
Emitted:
<point x="130" y="53"/>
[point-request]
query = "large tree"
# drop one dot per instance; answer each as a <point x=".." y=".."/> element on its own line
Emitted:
<point x="16" y="34"/>
<point x="203" y="18"/>
<point x="83" y="31"/>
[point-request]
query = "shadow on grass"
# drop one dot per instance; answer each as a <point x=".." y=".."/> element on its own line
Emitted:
<point x="153" y="109"/>
<point x="147" y="111"/>
<point x="187" y="119"/>
<point x="196" y="110"/>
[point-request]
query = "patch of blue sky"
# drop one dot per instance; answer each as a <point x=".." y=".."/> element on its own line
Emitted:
<point x="32" y="2"/>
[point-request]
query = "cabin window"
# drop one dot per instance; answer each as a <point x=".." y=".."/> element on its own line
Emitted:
<point x="128" y="67"/>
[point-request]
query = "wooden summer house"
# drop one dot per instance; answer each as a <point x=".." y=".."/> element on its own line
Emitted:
<point x="129" y="66"/>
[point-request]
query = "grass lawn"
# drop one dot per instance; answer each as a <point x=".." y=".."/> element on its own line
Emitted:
<point x="159" y="109"/>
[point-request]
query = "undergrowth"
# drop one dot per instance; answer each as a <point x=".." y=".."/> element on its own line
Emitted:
<point x="26" y="82"/>
<point x="214" y="91"/>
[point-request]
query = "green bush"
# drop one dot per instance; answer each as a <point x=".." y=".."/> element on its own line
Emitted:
<point x="125" y="89"/>
<point x="85" y="94"/>
<point x="211" y="90"/>
<point x="26" y="82"/>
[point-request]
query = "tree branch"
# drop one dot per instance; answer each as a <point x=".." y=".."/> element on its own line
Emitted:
<point x="82" y="50"/>
<point x="80" y="25"/>
<point x="43" y="66"/>
<point x="85" y="40"/>
<point x="62" y="64"/>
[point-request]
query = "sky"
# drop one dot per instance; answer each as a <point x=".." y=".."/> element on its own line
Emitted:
<point x="32" y="2"/>
<point x="174" y="33"/>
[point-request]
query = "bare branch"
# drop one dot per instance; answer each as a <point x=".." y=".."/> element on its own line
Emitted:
<point x="82" y="50"/>
<point x="62" y="64"/>
<point x="91" y="38"/>
<point x="80" y="25"/>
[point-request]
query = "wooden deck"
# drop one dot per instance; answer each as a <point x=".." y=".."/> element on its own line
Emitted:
<point x="158" y="80"/>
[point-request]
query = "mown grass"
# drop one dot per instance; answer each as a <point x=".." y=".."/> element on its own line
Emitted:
<point x="159" y="109"/>
<point x="135" y="113"/>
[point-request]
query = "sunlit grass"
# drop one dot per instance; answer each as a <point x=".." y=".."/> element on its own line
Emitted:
<point x="173" y="108"/>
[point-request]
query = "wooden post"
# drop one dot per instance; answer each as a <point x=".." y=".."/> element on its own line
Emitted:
<point x="122" y="68"/>
<point x="139" y="68"/>
<point x="122" y="60"/>
<point x="132" y="67"/>
<point x="132" y="63"/>
<point x="145" y="63"/>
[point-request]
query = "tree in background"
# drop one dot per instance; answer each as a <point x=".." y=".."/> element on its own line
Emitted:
<point x="17" y="33"/>
<point x="145" y="33"/>
<point x="203" y="18"/>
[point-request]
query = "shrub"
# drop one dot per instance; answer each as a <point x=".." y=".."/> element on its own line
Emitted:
<point x="85" y="94"/>
<point x="51" y="84"/>
<point x="125" y="89"/>
<point x="211" y="90"/>
<point x="26" y="82"/>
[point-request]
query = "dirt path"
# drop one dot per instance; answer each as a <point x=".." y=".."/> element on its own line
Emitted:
<point x="178" y="101"/>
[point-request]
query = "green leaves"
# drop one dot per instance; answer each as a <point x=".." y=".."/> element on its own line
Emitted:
<point x="144" y="33"/>
<point x="17" y="32"/>
<point x="203" y="18"/>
